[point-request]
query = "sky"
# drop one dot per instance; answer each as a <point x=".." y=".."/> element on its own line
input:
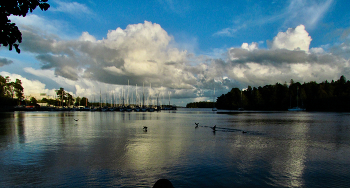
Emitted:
<point x="177" y="48"/>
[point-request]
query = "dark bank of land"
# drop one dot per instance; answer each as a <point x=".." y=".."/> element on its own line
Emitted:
<point x="326" y="96"/>
<point x="331" y="96"/>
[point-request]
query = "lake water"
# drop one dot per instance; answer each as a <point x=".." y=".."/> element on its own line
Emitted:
<point x="111" y="149"/>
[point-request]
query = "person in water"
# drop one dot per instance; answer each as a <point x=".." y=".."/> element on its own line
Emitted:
<point x="214" y="128"/>
<point x="163" y="183"/>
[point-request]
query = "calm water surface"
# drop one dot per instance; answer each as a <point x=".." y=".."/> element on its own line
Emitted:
<point x="111" y="149"/>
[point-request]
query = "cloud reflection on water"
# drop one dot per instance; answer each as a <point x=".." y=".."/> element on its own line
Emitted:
<point x="111" y="149"/>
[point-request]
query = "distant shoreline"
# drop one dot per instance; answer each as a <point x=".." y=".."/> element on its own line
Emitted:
<point x="13" y="109"/>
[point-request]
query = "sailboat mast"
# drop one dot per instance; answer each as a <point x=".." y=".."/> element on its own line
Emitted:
<point x="214" y="95"/>
<point x="127" y="96"/>
<point x="123" y="92"/>
<point x="214" y="109"/>
<point x="143" y="95"/>
<point x="214" y="99"/>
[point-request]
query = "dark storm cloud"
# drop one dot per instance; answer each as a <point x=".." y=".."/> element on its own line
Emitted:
<point x="277" y="57"/>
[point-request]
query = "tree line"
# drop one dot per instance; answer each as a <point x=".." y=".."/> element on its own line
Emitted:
<point x="11" y="94"/>
<point x="325" y="96"/>
<point x="65" y="99"/>
<point x="201" y="104"/>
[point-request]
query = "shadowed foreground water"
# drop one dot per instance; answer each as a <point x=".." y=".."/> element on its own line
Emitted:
<point x="111" y="149"/>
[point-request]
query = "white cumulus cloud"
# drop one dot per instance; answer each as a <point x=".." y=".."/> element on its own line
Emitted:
<point x="288" y="58"/>
<point x="293" y="39"/>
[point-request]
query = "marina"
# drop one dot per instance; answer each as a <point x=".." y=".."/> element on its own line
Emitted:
<point x="125" y="103"/>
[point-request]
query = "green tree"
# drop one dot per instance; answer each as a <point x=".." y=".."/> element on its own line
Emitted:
<point x="61" y="93"/>
<point x="2" y="86"/>
<point x="326" y="96"/>
<point x="84" y="101"/>
<point x="282" y="96"/>
<point x="9" y="88"/>
<point x="18" y="88"/>
<point x="303" y="96"/>
<point x="9" y="33"/>
<point x="339" y="89"/>
<point x="33" y="100"/>
<point x="244" y="100"/>
<point x="201" y="104"/>
<point x="50" y="101"/>
<point x="77" y="101"/>
<point x="231" y="100"/>
<point x="257" y="99"/>
<point x="69" y="99"/>
<point x="342" y="80"/>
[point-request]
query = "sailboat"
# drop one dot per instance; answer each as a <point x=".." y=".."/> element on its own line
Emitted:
<point x="214" y="109"/>
<point x="297" y="108"/>
<point x="143" y="107"/>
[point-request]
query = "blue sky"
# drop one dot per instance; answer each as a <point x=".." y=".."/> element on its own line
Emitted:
<point x="181" y="48"/>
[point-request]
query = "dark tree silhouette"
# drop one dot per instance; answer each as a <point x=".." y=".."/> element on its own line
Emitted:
<point x="9" y="32"/>
<point x="202" y="104"/>
<point x="325" y="96"/>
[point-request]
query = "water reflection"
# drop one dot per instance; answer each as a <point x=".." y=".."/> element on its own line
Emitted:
<point x="289" y="165"/>
<point x="7" y="130"/>
<point x="112" y="149"/>
<point x="20" y="126"/>
<point x="341" y="128"/>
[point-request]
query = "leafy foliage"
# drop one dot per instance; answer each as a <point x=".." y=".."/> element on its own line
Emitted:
<point x="33" y="100"/>
<point x="9" y="90"/>
<point x="9" y="32"/>
<point x="65" y="97"/>
<point x="51" y="102"/>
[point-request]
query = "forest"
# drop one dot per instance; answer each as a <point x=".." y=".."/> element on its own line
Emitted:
<point x="325" y="96"/>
